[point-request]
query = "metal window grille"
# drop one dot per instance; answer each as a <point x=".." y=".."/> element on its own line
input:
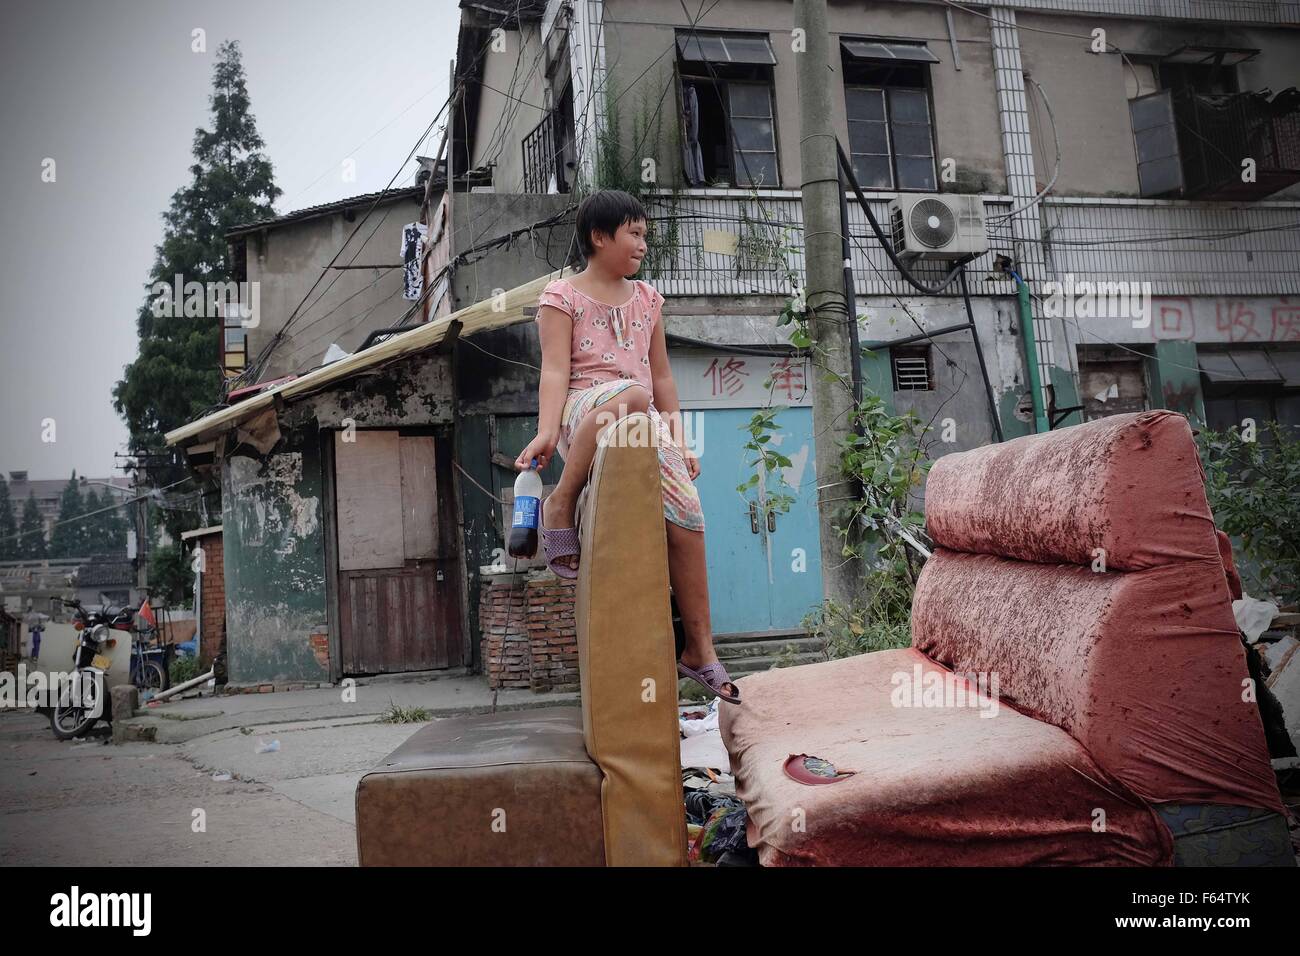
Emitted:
<point x="912" y="370"/>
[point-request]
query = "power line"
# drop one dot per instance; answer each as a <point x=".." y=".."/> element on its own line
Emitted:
<point x="90" y="514"/>
<point x="256" y="367"/>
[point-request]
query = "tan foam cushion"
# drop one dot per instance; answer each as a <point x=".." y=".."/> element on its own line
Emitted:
<point x="626" y="651"/>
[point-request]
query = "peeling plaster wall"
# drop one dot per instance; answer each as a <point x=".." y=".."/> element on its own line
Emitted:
<point x="273" y="515"/>
<point x="274" y="561"/>
<point x="958" y="395"/>
<point x="413" y="391"/>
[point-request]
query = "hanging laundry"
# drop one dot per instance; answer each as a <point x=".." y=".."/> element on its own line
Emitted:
<point x="413" y="234"/>
<point x="692" y="158"/>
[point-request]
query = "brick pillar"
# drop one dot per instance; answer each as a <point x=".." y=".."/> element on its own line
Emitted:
<point x="212" y="599"/>
<point x="529" y="636"/>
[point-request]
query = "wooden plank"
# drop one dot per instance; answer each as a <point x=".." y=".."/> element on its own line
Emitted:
<point x="389" y="636"/>
<point x="369" y="497"/>
<point x="419" y="496"/>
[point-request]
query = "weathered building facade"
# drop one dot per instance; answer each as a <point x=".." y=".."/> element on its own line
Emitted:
<point x="1078" y="126"/>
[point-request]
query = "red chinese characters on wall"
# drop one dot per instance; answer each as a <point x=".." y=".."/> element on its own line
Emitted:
<point x="726" y="378"/>
<point x="1175" y="319"/>
<point x="1286" y="322"/>
<point x="1237" y="320"/>
<point x="787" y="378"/>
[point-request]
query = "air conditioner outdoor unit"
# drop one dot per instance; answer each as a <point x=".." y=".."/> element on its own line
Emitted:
<point x="938" y="226"/>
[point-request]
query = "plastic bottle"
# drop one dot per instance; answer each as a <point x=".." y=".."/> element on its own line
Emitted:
<point x="522" y="542"/>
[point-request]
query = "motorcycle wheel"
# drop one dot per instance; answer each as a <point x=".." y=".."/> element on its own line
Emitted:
<point x="70" y="721"/>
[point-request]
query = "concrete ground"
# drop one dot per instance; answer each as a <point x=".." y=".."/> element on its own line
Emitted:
<point x="93" y="803"/>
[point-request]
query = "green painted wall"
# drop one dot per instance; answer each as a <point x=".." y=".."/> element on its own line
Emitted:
<point x="878" y="377"/>
<point x="1066" y="395"/>
<point x="1176" y="380"/>
<point x="274" y="561"/>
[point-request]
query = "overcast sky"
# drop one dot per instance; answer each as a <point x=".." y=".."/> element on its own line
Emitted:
<point x="111" y="90"/>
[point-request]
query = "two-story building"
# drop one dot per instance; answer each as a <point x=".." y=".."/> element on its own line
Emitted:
<point x="1134" y="162"/>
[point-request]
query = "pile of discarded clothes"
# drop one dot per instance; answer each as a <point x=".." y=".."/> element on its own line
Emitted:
<point x="715" y="817"/>
<point x="715" y="827"/>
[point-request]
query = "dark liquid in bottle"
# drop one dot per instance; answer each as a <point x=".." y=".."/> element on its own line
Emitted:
<point x="522" y="542"/>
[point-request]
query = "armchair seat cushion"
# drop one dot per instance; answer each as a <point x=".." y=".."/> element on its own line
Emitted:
<point x="966" y="783"/>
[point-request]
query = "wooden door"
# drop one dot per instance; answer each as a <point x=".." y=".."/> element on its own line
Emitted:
<point x="397" y="596"/>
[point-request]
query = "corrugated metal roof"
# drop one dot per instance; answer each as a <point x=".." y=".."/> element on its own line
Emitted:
<point x="527" y="9"/>
<point x="494" y="313"/>
<point x="325" y="209"/>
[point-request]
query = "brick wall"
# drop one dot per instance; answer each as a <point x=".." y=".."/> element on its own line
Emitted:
<point x="212" y="609"/>
<point x="529" y="638"/>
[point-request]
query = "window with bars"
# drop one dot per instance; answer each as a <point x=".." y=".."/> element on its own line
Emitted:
<point x="891" y="126"/>
<point x="912" y="370"/>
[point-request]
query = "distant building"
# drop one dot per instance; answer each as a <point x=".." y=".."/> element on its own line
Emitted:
<point x="49" y="492"/>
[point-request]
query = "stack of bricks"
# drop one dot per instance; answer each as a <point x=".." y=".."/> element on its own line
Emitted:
<point x="529" y="637"/>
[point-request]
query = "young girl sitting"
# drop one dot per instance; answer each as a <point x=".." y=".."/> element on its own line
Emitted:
<point x="602" y="339"/>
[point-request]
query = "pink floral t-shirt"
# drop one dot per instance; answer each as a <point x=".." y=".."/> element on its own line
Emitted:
<point x="609" y="342"/>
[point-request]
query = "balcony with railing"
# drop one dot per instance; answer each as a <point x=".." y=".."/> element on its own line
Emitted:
<point x="1233" y="147"/>
<point x="544" y="167"/>
<point x="730" y="242"/>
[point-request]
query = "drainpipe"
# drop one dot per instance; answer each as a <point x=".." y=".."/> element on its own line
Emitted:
<point x="1031" y="353"/>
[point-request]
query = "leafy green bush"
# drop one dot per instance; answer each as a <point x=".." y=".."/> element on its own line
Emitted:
<point x="183" y="669"/>
<point x="1254" y="492"/>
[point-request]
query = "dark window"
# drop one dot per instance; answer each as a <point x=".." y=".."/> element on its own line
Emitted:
<point x="1205" y="78"/>
<point x="727" y="110"/>
<point x="1261" y="384"/>
<point x="891" y="128"/>
<point x="912" y="371"/>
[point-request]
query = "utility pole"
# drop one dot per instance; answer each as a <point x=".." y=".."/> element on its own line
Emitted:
<point x="824" y="288"/>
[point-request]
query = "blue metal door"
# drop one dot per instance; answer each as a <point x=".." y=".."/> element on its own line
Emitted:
<point x="793" y="537"/>
<point x="736" y="555"/>
<point x="764" y="575"/>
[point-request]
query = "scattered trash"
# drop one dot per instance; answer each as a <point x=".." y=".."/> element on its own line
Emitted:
<point x="1283" y="659"/>
<point x="691" y="726"/>
<point x="334" y="354"/>
<point x="264" y="747"/>
<point x="1253" y="616"/>
<point x="221" y="777"/>
<point x="715" y="824"/>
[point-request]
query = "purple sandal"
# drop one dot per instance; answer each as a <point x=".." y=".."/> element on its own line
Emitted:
<point x="713" y="677"/>
<point x="559" y="543"/>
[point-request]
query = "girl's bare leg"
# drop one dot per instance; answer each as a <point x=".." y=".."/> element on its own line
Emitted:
<point x="563" y="500"/>
<point x="689" y="577"/>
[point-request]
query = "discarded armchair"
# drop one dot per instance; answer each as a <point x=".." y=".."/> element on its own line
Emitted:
<point x="1075" y="693"/>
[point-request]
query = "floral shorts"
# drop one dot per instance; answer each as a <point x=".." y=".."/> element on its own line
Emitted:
<point x="681" y="498"/>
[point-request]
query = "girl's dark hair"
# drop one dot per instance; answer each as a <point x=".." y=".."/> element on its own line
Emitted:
<point x="605" y="211"/>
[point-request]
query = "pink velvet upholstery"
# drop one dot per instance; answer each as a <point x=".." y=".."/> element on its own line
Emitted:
<point x="1082" y="571"/>
<point x="931" y="786"/>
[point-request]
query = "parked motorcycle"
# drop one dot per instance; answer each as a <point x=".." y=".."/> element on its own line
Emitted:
<point x="86" y="700"/>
